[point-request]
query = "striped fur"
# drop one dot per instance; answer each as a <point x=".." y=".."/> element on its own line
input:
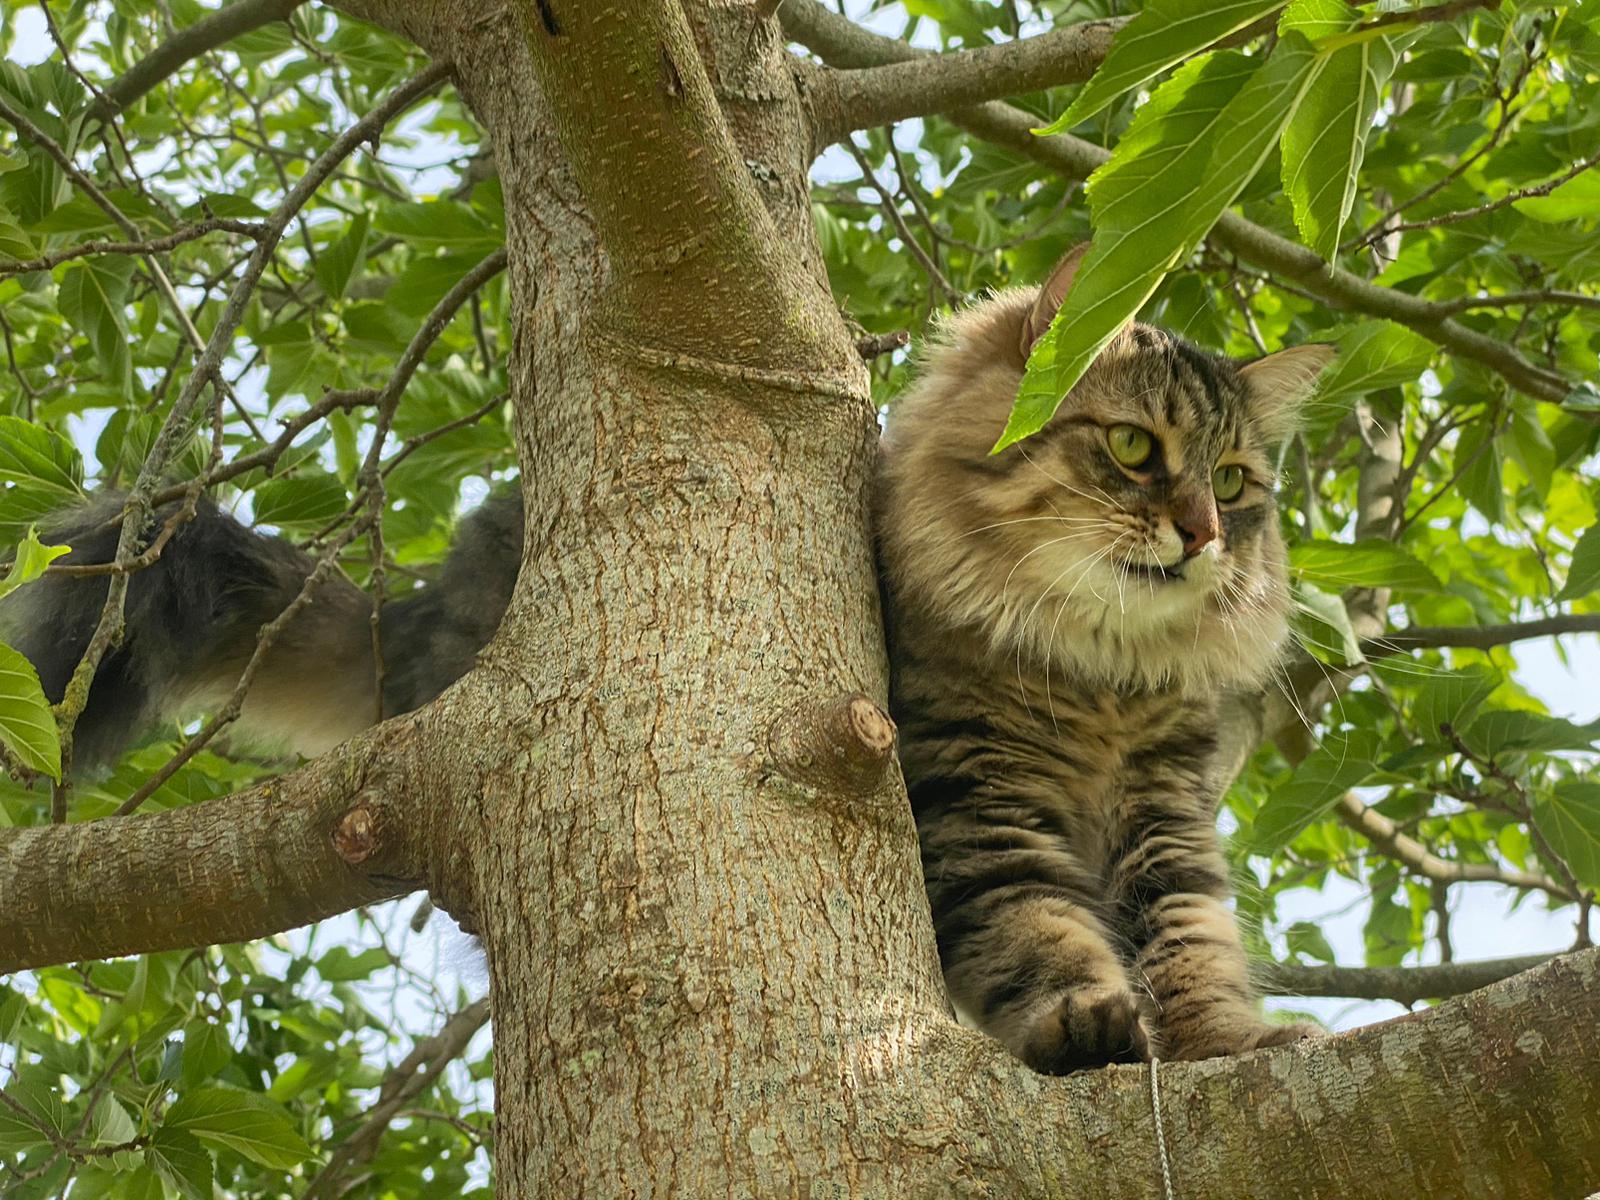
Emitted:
<point x="1057" y="692"/>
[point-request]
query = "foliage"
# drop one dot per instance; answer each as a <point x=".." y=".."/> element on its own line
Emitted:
<point x="241" y="1069"/>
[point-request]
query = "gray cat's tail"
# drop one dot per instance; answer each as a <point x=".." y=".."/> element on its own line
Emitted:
<point x="191" y="620"/>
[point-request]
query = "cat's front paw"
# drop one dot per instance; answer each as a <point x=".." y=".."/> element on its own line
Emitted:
<point x="1087" y="1027"/>
<point x="1219" y="1042"/>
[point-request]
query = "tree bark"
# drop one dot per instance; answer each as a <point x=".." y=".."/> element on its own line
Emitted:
<point x="712" y="968"/>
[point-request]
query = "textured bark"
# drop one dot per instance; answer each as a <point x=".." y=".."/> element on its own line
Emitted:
<point x="353" y="827"/>
<point x="712" y="967"/>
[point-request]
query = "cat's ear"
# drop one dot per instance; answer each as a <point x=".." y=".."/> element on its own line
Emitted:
<point x="1051" y="294"/>
<point x="1281" y="383"/>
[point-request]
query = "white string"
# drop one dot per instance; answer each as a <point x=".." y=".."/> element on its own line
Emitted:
<point x="1161" y="1134"/>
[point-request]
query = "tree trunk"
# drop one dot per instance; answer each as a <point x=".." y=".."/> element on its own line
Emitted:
<point x="665" y="797"/>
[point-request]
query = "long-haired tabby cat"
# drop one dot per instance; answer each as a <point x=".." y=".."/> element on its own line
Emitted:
<point x="1064" y="619"/>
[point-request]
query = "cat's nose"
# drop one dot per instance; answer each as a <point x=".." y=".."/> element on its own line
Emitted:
<point x="1197" y="527"/>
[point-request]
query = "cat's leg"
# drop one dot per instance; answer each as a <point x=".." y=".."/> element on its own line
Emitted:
<point x="1171" y="882"/>
<point x="1029" y="962"/>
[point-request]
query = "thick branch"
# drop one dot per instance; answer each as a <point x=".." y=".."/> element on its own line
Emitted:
<point x="845" y="100"/>
<point x="1405" y="985"/>
<point x="224" y="870"/>
<point x="204" y="35"/>
<point x="698" y="268"/>
<point x="1526" y="1051"/>
<point x="839" y="40"/>
<point x="1478" y="637"/>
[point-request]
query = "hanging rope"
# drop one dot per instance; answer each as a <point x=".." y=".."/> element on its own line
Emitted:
<point x="1161" y="1133"/>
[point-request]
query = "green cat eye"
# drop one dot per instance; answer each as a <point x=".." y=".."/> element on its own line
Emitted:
<point x="1227" y="482"/>
<point x="1130" y="445"/>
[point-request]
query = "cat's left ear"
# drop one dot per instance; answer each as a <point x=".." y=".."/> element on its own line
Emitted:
<point x="1051" y="293"/>
<point x="1281" y="383"/>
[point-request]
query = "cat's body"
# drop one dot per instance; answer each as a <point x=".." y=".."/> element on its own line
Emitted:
<point x="1063" y="629"/>
<point x="192" y="618"/>
<point x="1057" y="700"/>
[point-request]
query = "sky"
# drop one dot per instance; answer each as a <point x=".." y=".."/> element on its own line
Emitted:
<point x="1484" y="925"/>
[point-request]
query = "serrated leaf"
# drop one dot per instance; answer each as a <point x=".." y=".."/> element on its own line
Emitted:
<point x="1322" y="626"/>
<point x="1371" y="562"/>
<point x="247" y="1124"/>
<point x="339" y="261"/>
<point x="1186" y="157"/>
<point x="26" y="725"/>
<point x="1341" y="762"/>
<point x="93" y="295"/>
<point x="306" y="499"/>
<point x="1570" y="818"/>
<point x="32" y="557"/>
<point x="1452" y="698"/>
<point x="1164" y="33"/>
<point x="1374" y="355"/>
<point x="35" y="456"/>
<point x="1577" y="198"/>
<point x="206" y="1050"/>
<point x="182" y="1162"/>
<point x="1583" y="576"/>
<point x="1520" y="732"/>
<point x="1326" y="140"/>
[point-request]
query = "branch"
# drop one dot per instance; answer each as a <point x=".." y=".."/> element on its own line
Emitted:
<point x="1515" y="299"/>
<point x="1525" y="1050"/>
<point x="1387" y="839"/>
<point x="698" y="269"/>
<point x="846" y="100"/>
<point x="410" y="1077"/>
<point x="204" y="35"/>
<point x="838" y="39"/>
<point x="350" y="828"/>
<point x="1477" y="637"/>
<point x="189" y="233"/>
<point x="1404" y="985"/>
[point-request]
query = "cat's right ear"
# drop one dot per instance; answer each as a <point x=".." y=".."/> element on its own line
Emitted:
<point x="1051" y="294"/>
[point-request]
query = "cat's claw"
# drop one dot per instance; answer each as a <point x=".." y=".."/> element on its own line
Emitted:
<point x="1088" y="1027"/>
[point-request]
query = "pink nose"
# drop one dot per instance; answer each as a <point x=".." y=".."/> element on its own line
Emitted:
<point x="1197" y="526"/>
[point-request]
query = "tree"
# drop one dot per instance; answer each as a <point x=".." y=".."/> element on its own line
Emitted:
<point x="666" y="796"/>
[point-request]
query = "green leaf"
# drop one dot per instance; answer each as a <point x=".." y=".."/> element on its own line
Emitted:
<point x="339" y="261"/>
<point x="1371" y="562"/>
<point x="1341" y="762"/>
<point x="1452" y="698"/>
<point x="1186" y="157"/>
<point x="181" y="1161"/>
<point x="33" y="455"/>
<point x="1574" y="200"/>
<point x="1164" y="33"/>
<point x="206" y="1050"/>
<point x="1326" y="140"/>
<point x="33" y="556"/>
<point x="1307" y="940"/>
<point x="1374" y="355"/>
<point x="245" y="1123"/>
<point x="93" y="295"/>
<point x="1322" y="626"/>
<point x="1518" y="732"/>
<point x="1570" y="818"/>
<point x="1583" y="576"/>
<point x="26" y="725"/>
<point x="300" y="500"/>
<point x="340" y="966"/>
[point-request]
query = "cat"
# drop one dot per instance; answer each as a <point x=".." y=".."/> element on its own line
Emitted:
<point x="192" y="617"/>
<point x="1064" y="619"/>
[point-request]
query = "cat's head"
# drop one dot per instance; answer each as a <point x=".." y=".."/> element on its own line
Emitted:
<point x="1134" y="540"/>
